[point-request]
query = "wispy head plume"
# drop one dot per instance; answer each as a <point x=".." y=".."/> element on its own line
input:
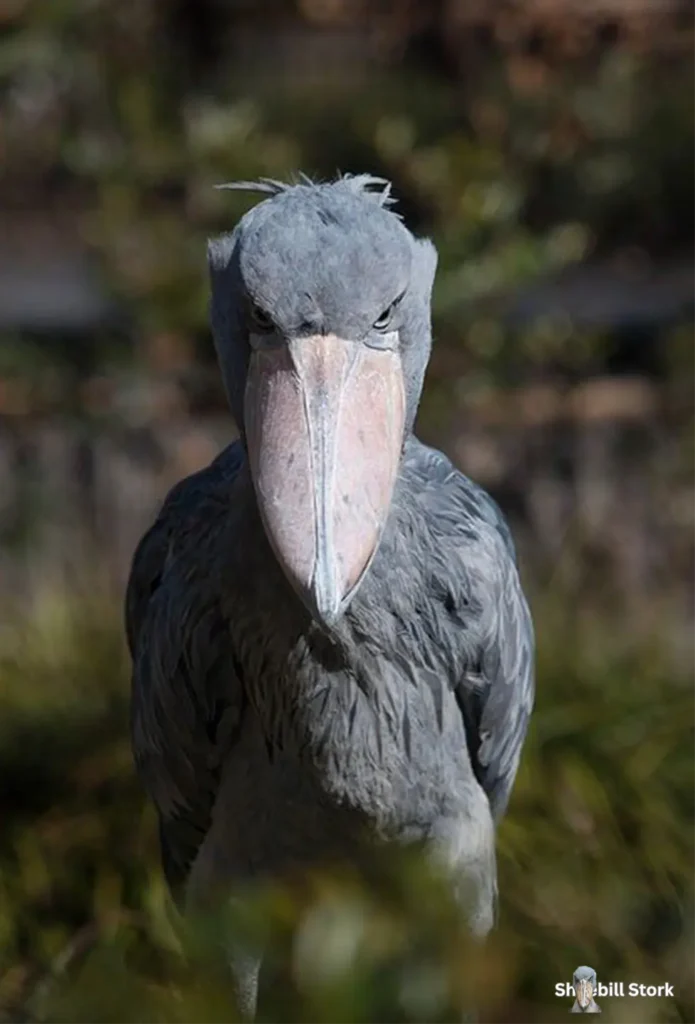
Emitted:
<point x="375" y="188"/>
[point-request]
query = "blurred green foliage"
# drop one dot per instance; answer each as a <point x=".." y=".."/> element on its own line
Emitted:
<point x="518" y="166"/>
<point x="595" y="855"/>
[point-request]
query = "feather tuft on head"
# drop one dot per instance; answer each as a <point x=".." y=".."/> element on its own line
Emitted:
<point x="370" y="185"/>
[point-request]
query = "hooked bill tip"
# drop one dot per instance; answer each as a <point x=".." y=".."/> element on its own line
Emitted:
<point x="324" y="419"/>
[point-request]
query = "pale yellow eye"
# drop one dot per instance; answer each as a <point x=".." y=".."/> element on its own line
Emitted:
<point x="382" y="323"/>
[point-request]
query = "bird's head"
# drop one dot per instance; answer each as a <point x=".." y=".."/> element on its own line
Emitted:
<point x="584" y="984"/>
<point x="321" y="320"/>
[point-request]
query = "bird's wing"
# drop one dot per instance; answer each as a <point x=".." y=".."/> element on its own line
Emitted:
<point x="187" y="698"/>
<point x="496" y="690"/>
<point x="496" y="694"/>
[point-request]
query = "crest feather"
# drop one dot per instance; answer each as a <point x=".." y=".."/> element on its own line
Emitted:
<point x="376" y="188"/>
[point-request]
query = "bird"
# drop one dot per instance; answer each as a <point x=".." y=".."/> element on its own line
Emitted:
<point x="330" y="642"/>
<point x="585" y="985"/>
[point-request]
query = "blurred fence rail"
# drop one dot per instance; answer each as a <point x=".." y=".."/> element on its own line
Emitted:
<point x="592" y="471"/>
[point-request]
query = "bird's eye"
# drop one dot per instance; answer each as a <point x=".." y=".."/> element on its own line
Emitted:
<point x="383" y="322"/>
<point x="261" y="320"/>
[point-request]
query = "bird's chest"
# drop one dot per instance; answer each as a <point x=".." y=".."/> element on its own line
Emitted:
<point x="392" y="751"/>
<point x="361" y="730"/>
<point x="366" y="715"/>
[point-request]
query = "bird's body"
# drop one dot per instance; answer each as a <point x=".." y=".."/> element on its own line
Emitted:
<point x="271" y="738"/>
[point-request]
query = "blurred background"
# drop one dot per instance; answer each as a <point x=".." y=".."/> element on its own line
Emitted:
<point x="547" y="148"/>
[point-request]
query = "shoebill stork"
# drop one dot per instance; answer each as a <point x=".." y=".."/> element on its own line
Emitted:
<point x="328" y="632"/>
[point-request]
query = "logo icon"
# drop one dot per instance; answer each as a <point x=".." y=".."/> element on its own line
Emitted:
<point x="585" y="985"/>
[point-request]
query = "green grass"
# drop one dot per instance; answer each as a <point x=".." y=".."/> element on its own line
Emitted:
<point x="596" y="853"/>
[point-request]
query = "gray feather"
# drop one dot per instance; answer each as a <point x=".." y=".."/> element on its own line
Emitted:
<point x="358" y="184"/>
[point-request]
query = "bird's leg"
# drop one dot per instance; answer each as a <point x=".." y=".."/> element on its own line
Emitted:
<point x="203" y="897"/>
<point x="245" y="969"/>
<point x="464" y="846"/>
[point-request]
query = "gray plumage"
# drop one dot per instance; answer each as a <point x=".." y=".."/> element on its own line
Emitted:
<point x="585" y="985"/>
<point x="266" y="737"/>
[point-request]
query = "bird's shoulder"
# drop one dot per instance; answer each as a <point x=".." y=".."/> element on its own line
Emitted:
<point x="188" y="519"/>
<point x="460" y="513"/>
